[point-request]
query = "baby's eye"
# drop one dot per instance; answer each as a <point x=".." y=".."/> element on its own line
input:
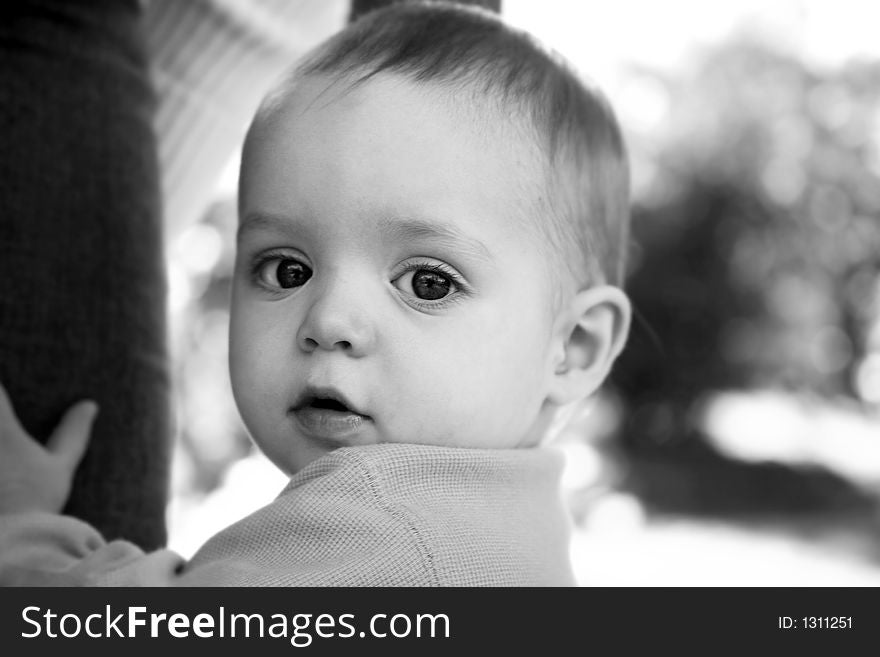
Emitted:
<point x="285" y="273"/>
<point x="426" y="283"/>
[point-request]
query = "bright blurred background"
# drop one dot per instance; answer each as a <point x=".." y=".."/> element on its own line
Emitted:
<point x="738" y="442"/>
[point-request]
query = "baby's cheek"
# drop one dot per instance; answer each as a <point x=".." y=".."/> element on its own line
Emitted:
<point x="431" y="406"/>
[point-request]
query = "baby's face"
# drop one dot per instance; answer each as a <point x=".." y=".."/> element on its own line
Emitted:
<point x="387" y="288"/>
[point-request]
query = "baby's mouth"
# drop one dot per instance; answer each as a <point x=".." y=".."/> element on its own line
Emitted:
<point x="327" y="414"/>
<point x="329" y="404"/>
<point x="325" y="400"/>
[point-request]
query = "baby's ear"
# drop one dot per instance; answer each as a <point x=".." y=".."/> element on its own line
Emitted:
<point x="591" y="330"/>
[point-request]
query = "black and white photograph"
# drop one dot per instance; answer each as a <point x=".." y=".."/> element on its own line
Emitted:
<point x="376" y="294"/>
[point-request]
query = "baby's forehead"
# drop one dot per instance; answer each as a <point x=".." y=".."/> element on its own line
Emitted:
<point x="496" y="116"/>
<point x="444" y="135"/>
<point x="395" y="103"/>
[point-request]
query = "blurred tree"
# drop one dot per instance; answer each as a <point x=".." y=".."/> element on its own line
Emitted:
<point x="756" y="265"/>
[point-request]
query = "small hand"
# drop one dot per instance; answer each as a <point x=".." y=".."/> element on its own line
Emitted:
<point x="34" y="477"/>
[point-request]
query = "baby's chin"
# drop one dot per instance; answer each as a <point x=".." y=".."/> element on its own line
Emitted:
<point x="291" y="461"/>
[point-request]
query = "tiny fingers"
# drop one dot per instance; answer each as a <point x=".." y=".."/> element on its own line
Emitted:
<point x="8" y="418"/>
<point x="71" y="437"/>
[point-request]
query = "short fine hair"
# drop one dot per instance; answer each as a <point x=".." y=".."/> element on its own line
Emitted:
<point x="470" y="49"/>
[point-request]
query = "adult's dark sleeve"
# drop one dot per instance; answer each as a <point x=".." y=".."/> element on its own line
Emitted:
<point x="82" y="290"/>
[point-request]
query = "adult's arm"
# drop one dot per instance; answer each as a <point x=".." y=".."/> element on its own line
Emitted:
<point x="82" y="290"/>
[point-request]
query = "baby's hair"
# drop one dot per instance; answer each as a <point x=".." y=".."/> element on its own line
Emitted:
<point x="467" y="49"/>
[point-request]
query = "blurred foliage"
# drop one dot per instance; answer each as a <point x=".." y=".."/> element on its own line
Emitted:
<point x="756" y="249"/>
<point x="210" y="433"/>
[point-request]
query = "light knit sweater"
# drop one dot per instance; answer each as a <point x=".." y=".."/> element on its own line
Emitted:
<point x="379" y="515"/>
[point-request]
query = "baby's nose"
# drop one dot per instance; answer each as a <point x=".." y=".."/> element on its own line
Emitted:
<point x="338" y="319"/>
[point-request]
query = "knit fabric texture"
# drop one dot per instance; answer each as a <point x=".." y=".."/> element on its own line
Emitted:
<point x="402" y="515"/>
<point x="378" y="515"/>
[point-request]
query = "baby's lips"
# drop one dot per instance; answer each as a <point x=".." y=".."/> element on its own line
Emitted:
<point x="326" y="398"/>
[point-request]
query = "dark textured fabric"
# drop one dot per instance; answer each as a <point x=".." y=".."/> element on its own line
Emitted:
<point x="82" y="292"/>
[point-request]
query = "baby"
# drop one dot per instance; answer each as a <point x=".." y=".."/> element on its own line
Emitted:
<point x="433" y="219"/>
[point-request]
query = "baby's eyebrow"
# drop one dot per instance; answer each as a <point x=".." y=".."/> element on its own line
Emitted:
<point x="255" y="222"/>
<point x="418" y="230"/>
<point x="392" y="229"/>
